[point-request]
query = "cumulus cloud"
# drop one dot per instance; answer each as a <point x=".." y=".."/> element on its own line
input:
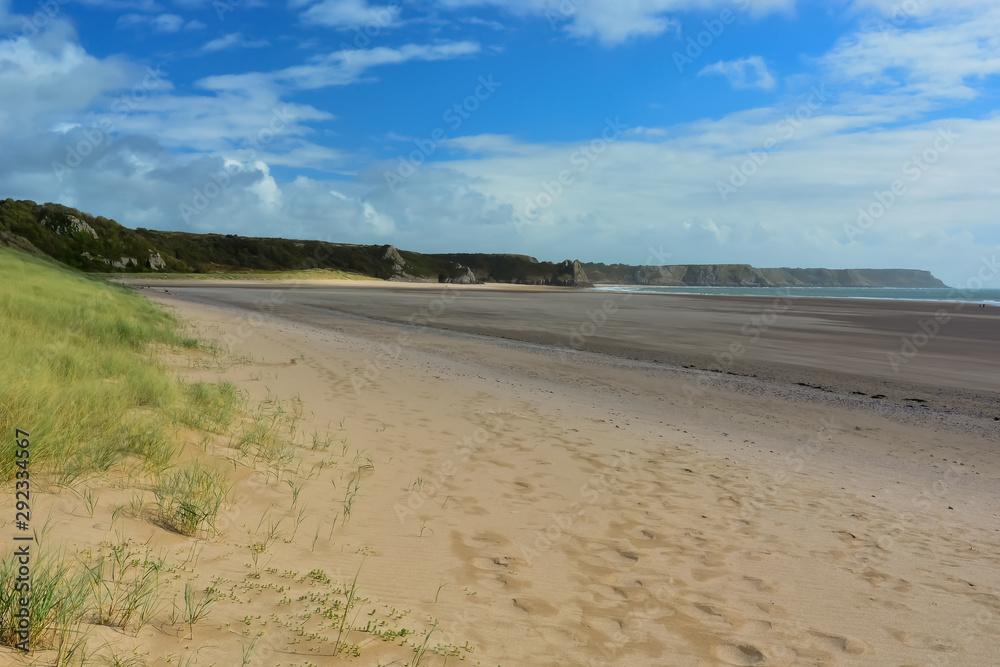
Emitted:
<point x="53" y="79"/>
<point x="744" y="73"/>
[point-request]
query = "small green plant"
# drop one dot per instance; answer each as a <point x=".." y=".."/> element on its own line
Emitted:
<point x="256" y="549"/>
<point x="89" y="500"/>
<point x="124" y="582"/>
<point x="189" y="497"/>
<point x="421" y="652"/>
<point x="248" y="650"/>
<point x="196" y="607"/>
<point x="319" y="576"/>
<point x="296" y="490"/>
<point x="268" y="435"/>
<point x="320" y="442"/>
<point x="114" y="659"/>
<point x="350" y="599"/>
<point x="273" y="530"/>
<point x="210" y="407"/>
<point x="350" y="496"/>
<point x="298" y="521"/>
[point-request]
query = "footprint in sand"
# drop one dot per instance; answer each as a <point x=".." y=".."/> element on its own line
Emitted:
<point x="738" y="654"/>
<point x="837" y="644"/>
<point x="535" y="607"/>
<point x="755" y="628"/>
<point x="491" y="564"/>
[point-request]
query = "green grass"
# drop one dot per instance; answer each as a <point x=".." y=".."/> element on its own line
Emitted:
<point x="196" y="606"/>
<point x="189" y="497"/>
<point x="268" y="435"/>
<point x="59" y="597"/>
<point x="210" y="407"/>
<point x="124" y="584"/>
<point x="81" y="372"/>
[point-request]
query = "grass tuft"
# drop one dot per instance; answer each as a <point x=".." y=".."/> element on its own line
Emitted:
<point x="59" y="597"/>
<point x="189" y="497"/>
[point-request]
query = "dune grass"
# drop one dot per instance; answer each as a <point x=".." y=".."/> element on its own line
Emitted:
<point x="81" y="372"/>
<point x="59" y="595"/>
<point x="189" y="497"/>
<point x="124" y="583"/>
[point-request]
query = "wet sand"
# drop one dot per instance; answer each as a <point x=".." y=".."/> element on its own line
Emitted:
<point x="940" y="355"/>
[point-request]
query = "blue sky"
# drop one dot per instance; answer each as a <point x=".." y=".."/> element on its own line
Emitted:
<point x="858" y="133"/>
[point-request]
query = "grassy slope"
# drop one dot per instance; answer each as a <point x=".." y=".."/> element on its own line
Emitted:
<point x="77" y="371"/>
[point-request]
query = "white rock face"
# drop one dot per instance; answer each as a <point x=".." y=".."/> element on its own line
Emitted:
<point x="393" y="256"/>
<point x="79" y="225"/>
<point x="156" y="262"/>
<point x="467" y="278"/>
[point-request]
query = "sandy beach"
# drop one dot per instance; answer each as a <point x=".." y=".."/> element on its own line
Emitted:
<point x="569" y="477"/>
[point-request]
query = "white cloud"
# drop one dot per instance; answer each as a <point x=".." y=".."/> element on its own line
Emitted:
<point x="612" y="22"/>
<point x="382" y="224"/>
<point x="744" y="73"/>
<point x="234" y="40"/>
<point x="266" y="188"/>
<point x="721" y="234"/>
<point x="119" y="5"/>
<point x="339" y="68"/>
<point x="63" y="128"/>
<point x="345" y="14"/>
<point x="931" y="60"/>
<point x="53" y="79"/>
<point x="165" y="23"/>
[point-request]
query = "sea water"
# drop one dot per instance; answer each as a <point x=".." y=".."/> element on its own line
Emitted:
<point x="988" y="296"/>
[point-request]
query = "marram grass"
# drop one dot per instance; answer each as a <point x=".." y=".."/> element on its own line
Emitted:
<point x="80" y="372"/>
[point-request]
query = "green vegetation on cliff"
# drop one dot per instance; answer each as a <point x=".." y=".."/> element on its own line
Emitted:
<point x="100" y="245"/>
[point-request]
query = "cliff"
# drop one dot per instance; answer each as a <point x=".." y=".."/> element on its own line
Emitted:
<point x="744" y="275"/>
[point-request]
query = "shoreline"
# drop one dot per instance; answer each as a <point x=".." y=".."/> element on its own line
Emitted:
<point x="600" y="288"/>
<point x="850" y="347"/>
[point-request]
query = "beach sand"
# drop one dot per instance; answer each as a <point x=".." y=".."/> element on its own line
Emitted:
<point x="549" y="493"/>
